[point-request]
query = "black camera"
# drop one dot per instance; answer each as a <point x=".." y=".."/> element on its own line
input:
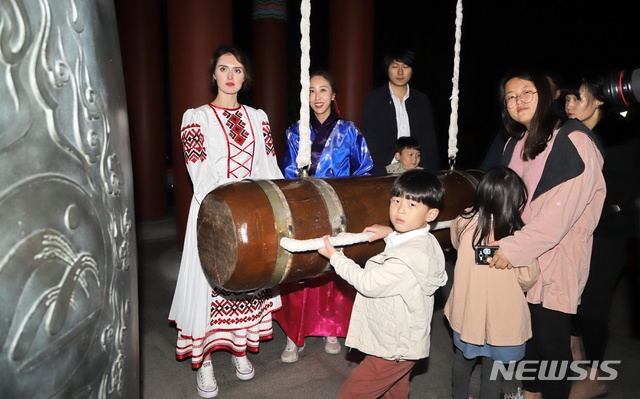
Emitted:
<point x="483" y="253"/>
<point x="622" y="89"/>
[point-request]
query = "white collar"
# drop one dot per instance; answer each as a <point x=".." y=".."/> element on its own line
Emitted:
<point x="396" y="238"/>
<point x="393" y="95"/>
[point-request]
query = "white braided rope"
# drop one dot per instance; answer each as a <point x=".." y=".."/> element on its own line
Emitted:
<point x="313" y="244"/>
<point x="340" y="240"/>
<point x="453" y="121"/>
<point x="303" y="159"/>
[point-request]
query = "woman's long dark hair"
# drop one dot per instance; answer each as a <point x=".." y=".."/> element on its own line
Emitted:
<point x="500" y="197"/>
<point x="544" y="120"/>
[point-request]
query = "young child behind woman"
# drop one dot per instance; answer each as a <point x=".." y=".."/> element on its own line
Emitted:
<point x="487" y="309"/>
<point x="407" y="155"/>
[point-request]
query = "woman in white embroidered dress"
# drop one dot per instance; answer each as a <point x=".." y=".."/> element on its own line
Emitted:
<point x="223" y="141"/>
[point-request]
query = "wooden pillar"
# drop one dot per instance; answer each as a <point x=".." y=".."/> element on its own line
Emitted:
<point x="196" y="29"/>
<point x="141" y="30"/>
<point x="270" y="66"/>
<point x="351" y="46"/>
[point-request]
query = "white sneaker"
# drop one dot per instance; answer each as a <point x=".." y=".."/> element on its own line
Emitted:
<point x="332" y="345"/>
<point x="514" y="395"/>
<point x="290" y="353"/>
<point x="244" y="368"/>
<point x="207" y="384"/>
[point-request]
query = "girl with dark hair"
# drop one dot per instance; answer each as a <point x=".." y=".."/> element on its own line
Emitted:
<point x="321" y="306"/>
<point x="482" y="296"/>
<point x="542" y="118"/>
<point x="561" y="165"/>
<point x="223" y="141"/>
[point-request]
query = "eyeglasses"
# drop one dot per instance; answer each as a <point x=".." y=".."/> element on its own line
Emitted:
<point x="526" y="97"/>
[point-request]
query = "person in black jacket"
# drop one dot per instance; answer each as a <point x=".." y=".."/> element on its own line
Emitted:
<point x="617" y="230"/>
<point x="394" y="110"/>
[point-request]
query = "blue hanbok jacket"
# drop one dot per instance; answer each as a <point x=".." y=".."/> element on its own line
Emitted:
<point x="345" y="152"/>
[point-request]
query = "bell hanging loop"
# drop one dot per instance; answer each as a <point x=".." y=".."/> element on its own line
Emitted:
<point x="452" y="163"/>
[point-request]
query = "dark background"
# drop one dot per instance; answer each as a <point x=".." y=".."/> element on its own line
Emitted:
<point x="566" y="36"/>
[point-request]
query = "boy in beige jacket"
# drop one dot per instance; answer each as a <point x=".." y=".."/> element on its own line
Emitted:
<point x="391" y="317"/>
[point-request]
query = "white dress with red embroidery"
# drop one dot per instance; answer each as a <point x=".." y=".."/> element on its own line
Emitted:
<point x="221" y="145"/>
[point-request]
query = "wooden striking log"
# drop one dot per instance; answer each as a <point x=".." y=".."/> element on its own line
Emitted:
<point x="240" y="224"/>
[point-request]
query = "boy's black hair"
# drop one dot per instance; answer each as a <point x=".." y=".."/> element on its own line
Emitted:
<point x="421" y="186"/>
<point x="404" y="55"/>
<point x="500" y="197"/>
<point x="405" y="142"/>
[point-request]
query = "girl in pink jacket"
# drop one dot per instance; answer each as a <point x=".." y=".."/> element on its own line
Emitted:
<point x="561" y="165"/>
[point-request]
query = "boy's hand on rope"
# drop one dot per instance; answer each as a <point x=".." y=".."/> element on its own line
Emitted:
<point x="379" y="231"/>
<point x="328" y="250"/>
<point x="313" y="244"/>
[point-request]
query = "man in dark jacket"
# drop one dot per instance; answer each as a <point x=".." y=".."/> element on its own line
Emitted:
<point x="393" y="110"/>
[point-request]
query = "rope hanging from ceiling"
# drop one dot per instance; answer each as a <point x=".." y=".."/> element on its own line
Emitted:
<point x="453" y="120"/>
<point x="304" y="152"/>
<point x="303" y="159"/>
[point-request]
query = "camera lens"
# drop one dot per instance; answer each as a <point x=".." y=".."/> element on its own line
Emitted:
<point x="622" y="89"/>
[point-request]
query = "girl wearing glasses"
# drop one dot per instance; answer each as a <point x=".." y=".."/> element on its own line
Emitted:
<point x="561" y="165"/>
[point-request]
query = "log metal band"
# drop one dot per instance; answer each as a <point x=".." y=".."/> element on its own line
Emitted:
<point x="336" y="213"/>
<point x="283" y="225"/>
<point x="335" y="210"/>
<point x="284" y="220"/>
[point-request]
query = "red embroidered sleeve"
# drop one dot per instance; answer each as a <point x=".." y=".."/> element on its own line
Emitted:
<point x="193" y="143"/>
<point x="268" y="140"/>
